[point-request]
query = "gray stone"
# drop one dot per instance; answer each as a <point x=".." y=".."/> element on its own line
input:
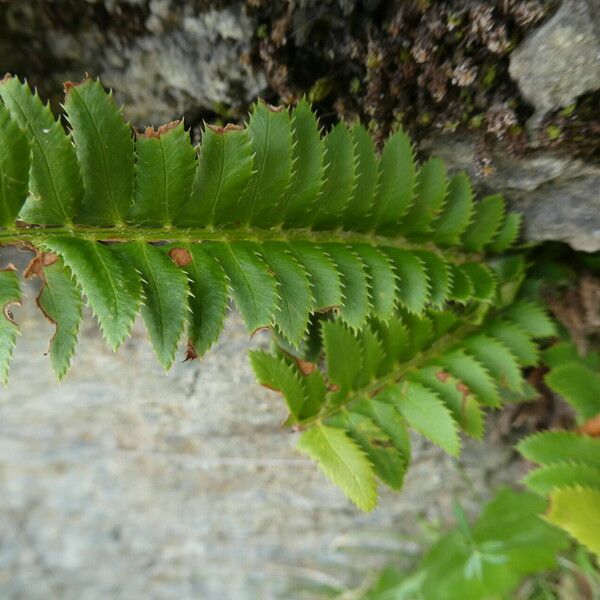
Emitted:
<point x="560" y="60"/>
<point x="557" y="194"/>
<point x="127" y="482"/>
<point x="197" y="65"/>
<point x="167" y="59"/>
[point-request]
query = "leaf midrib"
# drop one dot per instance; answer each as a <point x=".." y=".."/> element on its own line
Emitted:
<point x="39" y="234"/>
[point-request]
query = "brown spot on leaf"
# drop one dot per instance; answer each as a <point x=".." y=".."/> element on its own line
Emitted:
<point x="442" y="376"/>
<point x="327" y="309"/>
<point x="69" y="85"/>
<point x="190" y="352"/>
<point x="180" y="256"/>
<point x="305" y="366"/>
<point x="8" y="312"/>
<point x="591" y="427"/>
<point x="258" y="330"/>
<point x="7" y="77"/>
<point x="35" y="268"/>
<point x="463" y="389"/>
<point x="150" y="132"/>
<point x="333" y="387"/>
<point x="228" y="127"/>
<point x="272" y="108"/>
<point x="382" y="443"/>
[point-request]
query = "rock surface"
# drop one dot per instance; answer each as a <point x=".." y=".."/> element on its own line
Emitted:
<point x="557" y="195"/>
<point x="560" y="60"/>
<point x="126" y="482"/>
<point x="164" y="58"/>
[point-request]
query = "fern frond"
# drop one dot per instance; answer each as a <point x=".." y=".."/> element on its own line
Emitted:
<point x="285" y="222"/>
<point x="433" y="373"/>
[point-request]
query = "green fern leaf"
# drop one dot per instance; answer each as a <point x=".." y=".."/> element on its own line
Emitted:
<point x="430" y="193"/>
<point x="14" y="169"/>
<point x="295" y="301"/>
<point x="424" y="412"/>
<point x="372" y="352"/>
<point x="325" y="278"/>
<point x="389" y="465"/>
<point x="112" y="286"/>
<point x="560" y="475"/>
<point x="61" y="303"/>
<point x="413" y="281"/>
<point x="561" y="353"/>
<point x="274" y="373"/>
<point x="10" y="293"/>
<point x="396" y="181"/>
<point x="532" y="318"/>
<point x="360" y="208"/>
<point x="454" y="219"/>
<point x="497" y="359"/>
<point x="164" y="172"/>
<point x="507" y="234"/>
<point x="443" y="321"/>
<point x="579" y="386"/>
<point x="395" y="339"/>
<point x="55" y="185"/>
<point x="105" y="152"/>
<point x="382" y="281"/>
<point x="343" y="354"/>
<point x="577" y="510"/>
<point x="473" y="375"/>
<point x="343" y="462"/>
<point x="440" y="277"/>
<point x="516" y="339"/>
<point x="389" y="420"/>
<point x="355" y="302"/>
<point x="557" y="446"/>
<point x="482" y="280"/>
<point x="488" y="217"/>
<point x="340" y="178"/>
<point x="315" y="391"/>
<point x="420" y="334"/>
<point x="462" y="405"/>
<point x="207" y="299"/>
<point x="270" y="136"/>
<point x="308" y="168"/>
<point x="462" y="286"/>
<point x="165" y="291"/>
<point x="223" y="174"/>
<point x="252" y="285"/>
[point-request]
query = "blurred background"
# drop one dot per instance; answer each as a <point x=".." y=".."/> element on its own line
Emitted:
<point x="126" y="482"/>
